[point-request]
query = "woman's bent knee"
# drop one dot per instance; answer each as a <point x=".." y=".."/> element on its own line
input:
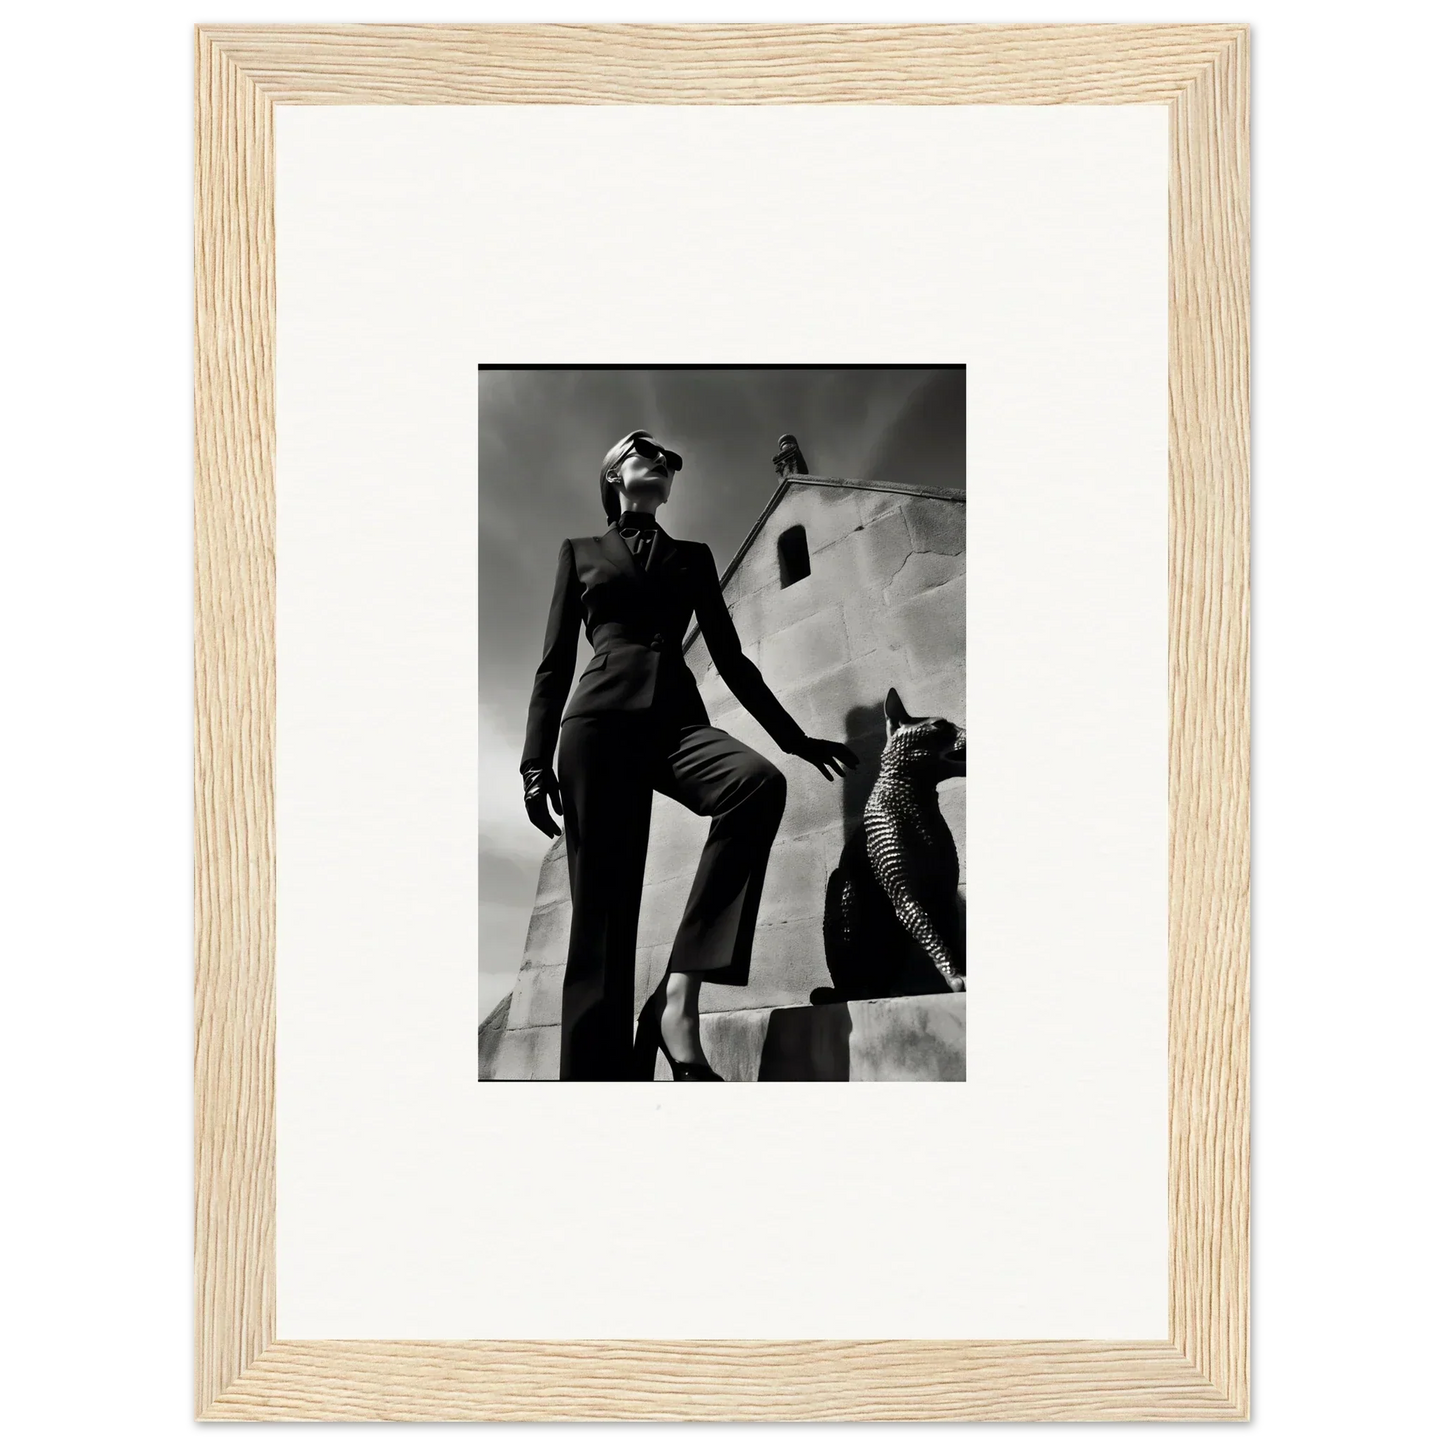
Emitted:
<point x="770" y="787"/>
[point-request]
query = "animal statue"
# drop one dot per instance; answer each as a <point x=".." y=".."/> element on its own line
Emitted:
<point x="891" y="917"/>
<point x="790" y="459"/>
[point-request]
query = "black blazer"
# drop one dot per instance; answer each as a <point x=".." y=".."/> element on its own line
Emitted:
<point x="636" y="620"/>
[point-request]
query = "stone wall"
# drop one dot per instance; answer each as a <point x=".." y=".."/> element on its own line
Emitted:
<point x="883" y="607"/>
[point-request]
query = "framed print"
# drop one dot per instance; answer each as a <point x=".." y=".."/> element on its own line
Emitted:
<point x="803" y="372"/>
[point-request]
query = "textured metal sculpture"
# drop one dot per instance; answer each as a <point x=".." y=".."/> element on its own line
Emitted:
<point x="789" y="460"/>
<point x="891" y="920"/>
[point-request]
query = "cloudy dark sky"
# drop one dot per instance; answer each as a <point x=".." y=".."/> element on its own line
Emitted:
<point x="541" y="436"/>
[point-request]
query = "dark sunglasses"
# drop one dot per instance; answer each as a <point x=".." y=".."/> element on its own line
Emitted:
<point x="649" y="451"/>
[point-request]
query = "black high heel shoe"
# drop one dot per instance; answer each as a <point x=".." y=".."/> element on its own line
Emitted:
<point x="650" y="1041"/>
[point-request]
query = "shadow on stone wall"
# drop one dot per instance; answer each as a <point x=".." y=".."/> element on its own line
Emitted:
<point x="865" y="732"/>
<point x="806" y="1044"/>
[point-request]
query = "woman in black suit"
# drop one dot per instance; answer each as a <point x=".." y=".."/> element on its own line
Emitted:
<point x="636" y="725"/>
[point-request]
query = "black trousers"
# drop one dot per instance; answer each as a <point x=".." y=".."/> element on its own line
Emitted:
<point x="609" y="766"/>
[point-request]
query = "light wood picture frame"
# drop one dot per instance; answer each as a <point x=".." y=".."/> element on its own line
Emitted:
<point x="1201" y="1370"/>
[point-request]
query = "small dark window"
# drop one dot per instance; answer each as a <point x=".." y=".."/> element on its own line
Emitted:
<point x="793" y="564"/>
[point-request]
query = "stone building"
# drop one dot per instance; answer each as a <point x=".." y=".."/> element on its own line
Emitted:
<point x="842" y="590"/>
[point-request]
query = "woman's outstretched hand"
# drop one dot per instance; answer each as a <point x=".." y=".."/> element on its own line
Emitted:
<point x="825" y="755"/>
<point x="539" y="785"/>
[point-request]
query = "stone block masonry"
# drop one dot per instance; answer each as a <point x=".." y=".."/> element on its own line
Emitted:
<point x="547" y="934"/>
<point x="800" y="652"/>
<point x="537" y="997"/>
<point x="937" y="529"/>
<point x="552" y="882"/>
<point x="797" y="876"/>
<point x="528" y="1052"/>
<point x="489" y="1039"/>
<point x="883" y="606"/>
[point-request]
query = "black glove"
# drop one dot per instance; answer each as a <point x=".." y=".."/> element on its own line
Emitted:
<point x="825" y="755"/>
<point x="539" y="783"/>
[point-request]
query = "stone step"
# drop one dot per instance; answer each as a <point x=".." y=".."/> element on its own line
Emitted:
<point x="916" y="1039"/>
<point x="864" y="1040"/>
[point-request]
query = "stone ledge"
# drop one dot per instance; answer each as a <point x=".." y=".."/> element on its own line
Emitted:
<point x="864" y="1040"/>
<point x="917" y="1039"/>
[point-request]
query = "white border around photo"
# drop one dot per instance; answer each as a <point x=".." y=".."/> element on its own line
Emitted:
<point x="1028" y="243"/>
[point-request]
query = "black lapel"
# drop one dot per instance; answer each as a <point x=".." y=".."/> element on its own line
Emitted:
<point x="666" y="556"/>
<point x="620" y="555"/>
<point x="665" y="561"/>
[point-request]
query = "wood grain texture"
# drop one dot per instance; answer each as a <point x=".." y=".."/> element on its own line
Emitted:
<point x="723" y="64"/>
<point x="235" y="661"/>
<point x="1202" y="1371"/>
<point x="1209" y="722"/>
<point x="721" y="1380"/>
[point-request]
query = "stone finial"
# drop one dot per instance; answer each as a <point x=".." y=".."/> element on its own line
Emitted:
<point x="789" y="460"/>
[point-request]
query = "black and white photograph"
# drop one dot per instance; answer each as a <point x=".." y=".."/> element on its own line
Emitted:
<point x="722" y="723"/>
